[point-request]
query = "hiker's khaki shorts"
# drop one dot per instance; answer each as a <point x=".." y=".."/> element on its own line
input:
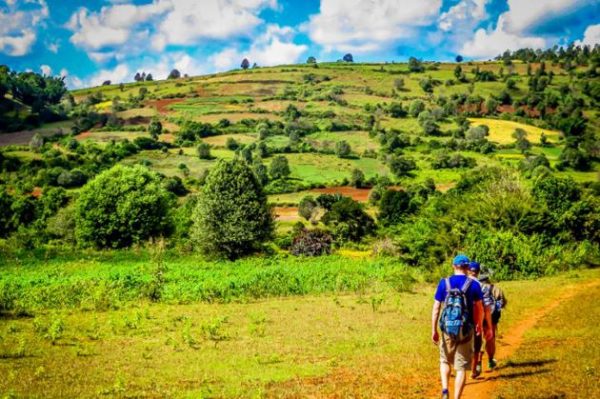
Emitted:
<point x="458" y="355"/>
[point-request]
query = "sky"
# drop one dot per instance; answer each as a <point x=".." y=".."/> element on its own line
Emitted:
<point x="91" y="41"/>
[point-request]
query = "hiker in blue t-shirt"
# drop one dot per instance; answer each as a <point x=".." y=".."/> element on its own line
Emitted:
<point x="461" y="317"/>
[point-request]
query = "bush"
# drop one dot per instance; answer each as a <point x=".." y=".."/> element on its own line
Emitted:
<point x="348" y="220"/>
<point x="312" y="243"/>
<point x="394" y="205"/>
<point x="204" y="151"/>
<point x="357" y="178"/>
<point x="343" y="149"/>
<point x="306" y="207"/>
<point x="279" y="167"/>
<point x="122" y="206"/>
<point x="232" y="217"/>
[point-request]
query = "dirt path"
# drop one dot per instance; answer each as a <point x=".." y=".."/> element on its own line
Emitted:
<point x="487" y="383"/>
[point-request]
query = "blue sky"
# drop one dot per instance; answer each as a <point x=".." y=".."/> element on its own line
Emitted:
<point x="96" y="40"/>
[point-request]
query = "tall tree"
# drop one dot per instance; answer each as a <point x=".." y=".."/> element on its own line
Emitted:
<point x="245" y="64"/>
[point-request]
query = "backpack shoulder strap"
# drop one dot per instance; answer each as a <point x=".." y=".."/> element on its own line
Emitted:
<point x="448" y="288"/>
<point x="466" y="285"/>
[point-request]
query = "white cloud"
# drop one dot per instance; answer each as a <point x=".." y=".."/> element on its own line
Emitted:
<point x="17" y="33"/>
<point x="113" y="25"/>
<point x="591" y="36"/>
<point x="365" y="26"/>
<point x="189" y="21"/>
<point x="464" y="15"/>
<point x="489" y="43"/>
<point x="118" y="31"/>
<point x="274" y="47"/>
<point x="525" y="16"/>
<point x="46" y="70"/>
<point x="121" y="73"/>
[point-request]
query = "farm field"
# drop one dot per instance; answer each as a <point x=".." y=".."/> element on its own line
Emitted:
<point x="341" y="342"/>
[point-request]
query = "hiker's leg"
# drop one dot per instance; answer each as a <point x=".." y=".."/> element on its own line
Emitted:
<point x="477" y="342"/>
<point x="459" y="383"/>
<point x="490" y="346"/>
<point x="445" y="374"/>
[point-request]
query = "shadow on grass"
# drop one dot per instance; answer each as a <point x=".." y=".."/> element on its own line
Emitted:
<point x="529" y="363"/>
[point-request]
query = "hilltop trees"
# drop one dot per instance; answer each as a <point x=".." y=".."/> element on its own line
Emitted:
<point x="174" y="74"/>
<point x="348" y="58"/>
<point x="4" y="80"/>
<point x="415" y="65"/>
<point x="122" y="206"/>
<point x="232" y="217"/>
<point x="245" y="64"/>
<point x="311" y="60"/>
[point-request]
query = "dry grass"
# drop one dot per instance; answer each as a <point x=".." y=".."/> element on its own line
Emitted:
<point x="501" y="131"/>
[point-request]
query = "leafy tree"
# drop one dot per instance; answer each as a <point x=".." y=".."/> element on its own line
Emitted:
<point x="6" y="215"/>
<point x="426" y="85"/>
<point x="307" y="207"/>
<point x="459" y="58"/>
<point x="122" y="206"/>
<point x="394" y="206"/>
<point x="36" y="142"/>
<point x="4" y="80"/>
<point x="357" y="178"/>
<point x="348" y="58"/>
<point x="458" y="72"/>
<point x="348" y="220"/>
<point x="232" y="217"/>
<point x="155" y="129"/>
<point x="245" y="64"/>
<point x="232" y="144"/>
<point x="174" y="74"/>
<point x="106" y="83"/>
<point x="137" y="77"/>
<point x="415" y="65"/>
<point x="416" y="107"/>
<point x="311" y="60"/>
<point x="149" y="78"/>
<point x="343" y="149"/>
<point x="401" y="166"/>
<point x="399" y="84"/>
<point x="70" y="179"/>
<point x="279" y="168"/>
<point x="261" y="172"/>
<point x="396" y="111"/>
<point x="203" y="150"/>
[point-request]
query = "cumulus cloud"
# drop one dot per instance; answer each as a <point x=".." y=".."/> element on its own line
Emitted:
<point x="274" y="47"/>
<point x="120" y="73"/>
<point x="120" y="30"/>
<point x="17" y="25"/>
<point x="489" y="43"/>
<point x="112" y="25"/>
<point x="190" y="21"/>
<point x="465" y="15"/>
<point x="591" y="36"/>
<point x="365" y="26"/>
<point x="526" y="16"/>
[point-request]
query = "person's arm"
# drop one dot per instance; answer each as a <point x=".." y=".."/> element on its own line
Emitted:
<point x="435" y="314"/>
<point x="478" y="314"/>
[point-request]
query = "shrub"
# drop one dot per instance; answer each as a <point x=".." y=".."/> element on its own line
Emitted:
<point x="343" y="149"/>
<point x="306" y="207"/>
<point x="357" y="178"/>
<point x="279" y="168"/>
<point x="394" y="205"/>
<point x="203" y="150"/>
<point x="312" y="243"/>
<point x="402" y="166"/>
<point x="122" y="206"/>
<point x="232" y="217"/>
<point x="349" y="220"/>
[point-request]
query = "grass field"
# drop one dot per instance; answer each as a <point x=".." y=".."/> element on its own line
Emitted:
<point x="373" y="342"/>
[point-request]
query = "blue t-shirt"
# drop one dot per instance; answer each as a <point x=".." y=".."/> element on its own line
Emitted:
<point x="473" y="294"/>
